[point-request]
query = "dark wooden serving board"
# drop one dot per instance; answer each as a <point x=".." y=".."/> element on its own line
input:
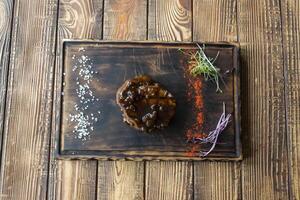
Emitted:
<point x="114" y="62"/>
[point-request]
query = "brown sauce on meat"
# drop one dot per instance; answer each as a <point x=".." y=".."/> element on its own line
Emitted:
<point x="145" y="104"/>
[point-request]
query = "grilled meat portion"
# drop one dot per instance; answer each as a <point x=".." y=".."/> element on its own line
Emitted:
<point x="146" y="106"/>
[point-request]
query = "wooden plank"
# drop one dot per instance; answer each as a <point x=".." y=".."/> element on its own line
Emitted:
<point x="6" y="12"/>
<point x="169" y="180"/>
<point x="28" y="110"/>
<point x="265" y="169"/>
<point x="123" y="20"/>
<point x="169" y="20"/>
<point x="112" y="64"/>
<point x="76" y="180"/>
<point x="216" y="180"/>
<point x="113" y="177"/>
<point x="216" y="21"/>
<point x="291" y="44"/>
<point x="77" y="19"/>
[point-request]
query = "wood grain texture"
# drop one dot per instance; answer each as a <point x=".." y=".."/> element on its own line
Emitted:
<point x="216" y="21"/>
<point x="169" y="20"/>
<point x="265" y="169"/>
<point x="169" y="180"/>
<point x="77" y="19"/>
<point x="28" y="107"/>
<point x="216" y="180"/>
<point x="6" y="12"/>
<point x="113" y="176"/>
<point x="28" y="112"/>
<point x="76" y="180"/>
<point x="116" y="62"/>
<point x="291" y="44"/>
<point x="123" y="20"/>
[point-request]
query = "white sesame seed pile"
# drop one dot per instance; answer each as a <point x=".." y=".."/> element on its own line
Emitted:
<point x="82" y="119"/>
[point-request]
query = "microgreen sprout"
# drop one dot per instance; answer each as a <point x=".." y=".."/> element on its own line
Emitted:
<point x="200" y="64"/>
<point x="212" y="137"/>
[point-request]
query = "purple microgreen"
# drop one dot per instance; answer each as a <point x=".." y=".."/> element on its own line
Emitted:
<point x="213" y="135"/>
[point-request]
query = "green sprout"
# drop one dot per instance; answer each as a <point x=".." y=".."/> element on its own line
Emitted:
<point x="202" y="65"/>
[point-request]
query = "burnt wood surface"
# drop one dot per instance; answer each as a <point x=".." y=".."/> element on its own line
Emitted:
<point x="115" y="62"/>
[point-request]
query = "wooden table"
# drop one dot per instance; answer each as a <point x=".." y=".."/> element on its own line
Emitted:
<point x="30" y="47"/>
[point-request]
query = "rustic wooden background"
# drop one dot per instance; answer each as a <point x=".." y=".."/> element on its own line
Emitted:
<point x="30" y="47"/>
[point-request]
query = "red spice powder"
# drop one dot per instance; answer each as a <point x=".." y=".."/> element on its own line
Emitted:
<point x="193" y="151"/>
<point x="197" y="84"/>
<point x="200" y="119"/>
<point x="199" y="135"/>
<point x="194" y="95"/>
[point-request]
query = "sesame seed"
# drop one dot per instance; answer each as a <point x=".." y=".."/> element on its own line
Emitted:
<point x="83" y="120"/>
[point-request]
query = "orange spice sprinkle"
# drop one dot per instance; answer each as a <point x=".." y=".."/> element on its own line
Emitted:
<point x="199" y="101"/>
<point x="194" y="95"/>
<point x="197" y="84"/>
<point x="193" y="151"/>
<point x="200" y="118"/>
<point x="199" y="135"/>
